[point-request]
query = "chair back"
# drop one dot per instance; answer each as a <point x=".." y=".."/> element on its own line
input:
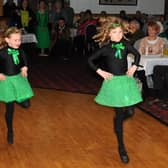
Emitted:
<point x="137" y="43"/>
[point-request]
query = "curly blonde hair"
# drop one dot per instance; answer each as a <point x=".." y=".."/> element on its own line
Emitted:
<point x="7" y="33"/>
<point x="111" y="22"/>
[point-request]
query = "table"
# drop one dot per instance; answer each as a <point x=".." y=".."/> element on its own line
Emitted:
<point x="148" y="63"/>
<point x="28" y="38"/>
<point x="29" y="46"/>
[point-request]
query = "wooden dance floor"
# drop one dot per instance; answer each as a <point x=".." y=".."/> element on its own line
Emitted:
<point x="68" y="130"/>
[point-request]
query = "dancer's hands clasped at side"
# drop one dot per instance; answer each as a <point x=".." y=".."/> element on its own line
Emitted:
<point x="104" y="74"/>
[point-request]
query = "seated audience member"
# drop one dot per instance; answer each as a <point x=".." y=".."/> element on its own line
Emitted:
<point x="88" y="20"/>
<point x="63" y="42"/>
<point x="136" y="32"/>
<point x="152" y="44"/>
<point x="81" y="31"/>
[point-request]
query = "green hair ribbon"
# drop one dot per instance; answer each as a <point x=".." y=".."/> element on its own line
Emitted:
<point x="115" y="25"/>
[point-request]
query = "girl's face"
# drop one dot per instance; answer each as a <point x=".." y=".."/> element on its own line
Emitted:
<point x="116" y="34"/>
<point x="14" y="40"/>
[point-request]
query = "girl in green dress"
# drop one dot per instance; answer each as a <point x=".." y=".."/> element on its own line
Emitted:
<point x="119" y="89"/>
<point x="42" y="31"/>
<point x="14" y="86"/>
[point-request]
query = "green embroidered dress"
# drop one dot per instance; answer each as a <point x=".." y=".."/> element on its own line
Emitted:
<point x="42" y="31"/>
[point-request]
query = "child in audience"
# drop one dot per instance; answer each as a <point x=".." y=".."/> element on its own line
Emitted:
<point x="14" y="86"/>
<point x="119" y="88"/>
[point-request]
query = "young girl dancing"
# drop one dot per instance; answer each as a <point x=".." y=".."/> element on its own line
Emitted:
<point x="14" y="86"/>
<point x="119" y="89"/>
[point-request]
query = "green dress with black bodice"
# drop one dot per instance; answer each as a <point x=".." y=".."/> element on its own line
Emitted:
<point x="15" y="87"/>
<point x="120" y="90"/>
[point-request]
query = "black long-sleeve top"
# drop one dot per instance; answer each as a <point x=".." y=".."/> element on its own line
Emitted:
<point x="7" y="66"/>
<point x="114" y="65"/>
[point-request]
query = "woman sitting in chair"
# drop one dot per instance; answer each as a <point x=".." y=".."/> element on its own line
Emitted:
<point x="152" y="44"/>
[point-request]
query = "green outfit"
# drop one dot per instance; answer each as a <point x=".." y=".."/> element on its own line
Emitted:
<point x="42" y="31"/>
<point x="120" y="91"/>
<point x="15" y="88"/>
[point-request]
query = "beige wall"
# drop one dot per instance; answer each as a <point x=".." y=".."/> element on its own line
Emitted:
<point x="154" y="7"/>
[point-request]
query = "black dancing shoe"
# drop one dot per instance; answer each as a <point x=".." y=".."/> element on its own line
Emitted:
<point x="10" y="138"/>
<point x="123" y="155"/>
<point x="129" y="112"/>
<point x="25" y="104"/>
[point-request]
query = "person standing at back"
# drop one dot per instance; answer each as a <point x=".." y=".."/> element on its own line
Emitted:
<point x="68" y="13"/>
<point x="42" y="30"/>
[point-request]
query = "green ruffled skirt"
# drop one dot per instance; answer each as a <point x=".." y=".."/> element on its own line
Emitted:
<point x="119" y="91"/>
<point x="15" y="88"/>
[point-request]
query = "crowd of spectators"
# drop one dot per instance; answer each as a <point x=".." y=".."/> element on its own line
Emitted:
<point x="24" y="17"/>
